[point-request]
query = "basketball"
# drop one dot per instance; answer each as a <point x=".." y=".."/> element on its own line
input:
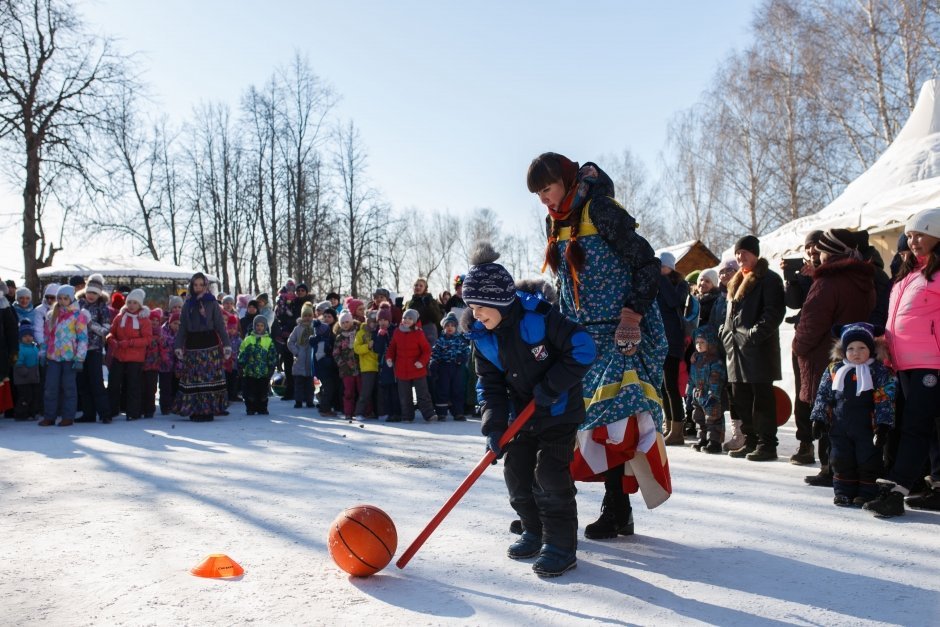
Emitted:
<point x="362" y="540"/>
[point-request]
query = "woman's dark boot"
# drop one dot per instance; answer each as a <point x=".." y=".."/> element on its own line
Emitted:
<point x="616" y="513"/>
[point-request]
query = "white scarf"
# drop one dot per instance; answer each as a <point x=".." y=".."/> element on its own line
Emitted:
<point x="133" y="317"/>
<point x="862" y="376"/>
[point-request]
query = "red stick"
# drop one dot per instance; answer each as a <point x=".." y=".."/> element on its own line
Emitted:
<point x="462" y="489"/>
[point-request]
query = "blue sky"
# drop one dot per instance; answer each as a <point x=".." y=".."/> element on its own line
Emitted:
<point x="453" y="100"/>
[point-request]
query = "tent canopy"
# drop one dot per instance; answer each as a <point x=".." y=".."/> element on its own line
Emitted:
<point x="902" y="182"/>
<point x="121" y="269"/>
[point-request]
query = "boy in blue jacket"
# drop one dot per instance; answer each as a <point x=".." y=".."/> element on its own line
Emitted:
<point x="707" y="378"/>
<point x="26" y="375"/>
<point x="448" y="355"/>
<point x="527" y="350"/>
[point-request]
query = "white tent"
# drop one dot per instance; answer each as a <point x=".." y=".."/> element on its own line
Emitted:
<point x="903" y="181"/>
<point x="121" y="269"/>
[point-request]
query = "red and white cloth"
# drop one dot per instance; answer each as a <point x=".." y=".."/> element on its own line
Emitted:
<point x="634" y="442"/>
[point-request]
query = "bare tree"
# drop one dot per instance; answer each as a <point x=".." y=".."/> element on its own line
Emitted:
<point x="395" y="250"/>
<point x="692" y="178"/>
<point x="359" y="211"/>
<point x="429" y="239"/>
<point x="260" y="111"/>
<point x="304" y="103"/>
<point x="637" y="194"/>
<point x="131" y="203"/>
<point x="56" y="80"/>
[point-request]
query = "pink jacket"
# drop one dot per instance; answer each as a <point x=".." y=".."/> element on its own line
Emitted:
<point x="913" y="328"/>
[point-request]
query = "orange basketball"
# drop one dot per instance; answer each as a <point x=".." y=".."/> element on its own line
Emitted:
<point x="362" y="540"/>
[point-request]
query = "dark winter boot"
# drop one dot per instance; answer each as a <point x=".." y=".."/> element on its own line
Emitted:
<point x="616" y="519"/>
<point x="890" y="501"/>
<point x="929" y="500"/>
<point x="554" y="561"/>
<point x="528" y="545"/>
<point x="822" y="480"/>
<point x="804" y="455"/>
<point x="763" y="454"/>
<point x="713" y="448"/>
<point x="702" y="443"/>
<point x="744" y="451"/>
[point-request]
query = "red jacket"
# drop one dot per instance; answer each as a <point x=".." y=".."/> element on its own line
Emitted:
<point x="406" y="348"/>
<point x="130" y="343"/>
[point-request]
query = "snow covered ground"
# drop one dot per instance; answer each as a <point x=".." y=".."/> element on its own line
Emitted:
<point x="101" y="524"/>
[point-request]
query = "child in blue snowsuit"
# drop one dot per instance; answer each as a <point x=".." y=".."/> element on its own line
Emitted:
<point x="527" y="350"/>
<point x="855" y="404"/>
<point x="448" y="355"/>
<point x="707" y="378"/>
<point x="26" y="375"/>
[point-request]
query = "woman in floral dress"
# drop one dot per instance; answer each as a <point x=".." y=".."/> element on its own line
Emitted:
<point x="608" y="277"/>
<point x="201" y="346"/>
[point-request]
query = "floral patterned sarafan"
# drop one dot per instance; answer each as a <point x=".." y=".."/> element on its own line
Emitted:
<point x="616" y="386"/>
<point x="202" y="388"/>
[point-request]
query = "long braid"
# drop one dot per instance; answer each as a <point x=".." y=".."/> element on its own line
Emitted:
<point x="552" y="258"/>
<point x="574" y="255"/>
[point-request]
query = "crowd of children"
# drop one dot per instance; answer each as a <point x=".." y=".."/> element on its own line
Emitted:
<point x="83" y="355"/>
<point x="87" y="357"/>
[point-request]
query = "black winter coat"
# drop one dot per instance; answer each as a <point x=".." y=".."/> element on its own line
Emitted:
<point x="706" y="303"/>
<point x="751" y="332"/>
<point x="672" y="298"/>
<point x="9" y="342"/>
<point x="535" y="344"/>
<point x="795" y="293"/>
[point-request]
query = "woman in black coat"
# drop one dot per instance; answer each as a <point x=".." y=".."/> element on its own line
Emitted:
<point x="751" y="338"/>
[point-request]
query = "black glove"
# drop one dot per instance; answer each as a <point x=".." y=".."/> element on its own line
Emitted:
<point x="492" y="444"/>
<point x="819" y="428"/>
<point x="881" y="434"/>
<point x="542" y="398"/>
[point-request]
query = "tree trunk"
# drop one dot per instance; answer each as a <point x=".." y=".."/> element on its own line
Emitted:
<point x="31" y="263"/>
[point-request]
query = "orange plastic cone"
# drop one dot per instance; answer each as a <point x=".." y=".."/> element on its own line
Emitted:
<point x="218" y="566"/>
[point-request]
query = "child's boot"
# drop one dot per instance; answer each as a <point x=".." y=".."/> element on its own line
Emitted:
<point x="554" y="561"/>
<point x="713" y="447"/>
<point x="528" y="545"/>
